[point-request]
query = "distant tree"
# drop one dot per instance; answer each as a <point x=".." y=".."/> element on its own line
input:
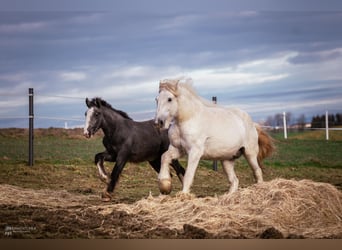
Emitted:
<point x="269" y="121"/>
<point x="313" y="121"/>
<point x="318" y="121"/>
<point x="278" y="119"/>
<point x="322" y="121"/>
<point x="338" y="119"/>
<point x="288" y="117"/>
<point x="301" y="122"/>
<point x="331" y="119"/>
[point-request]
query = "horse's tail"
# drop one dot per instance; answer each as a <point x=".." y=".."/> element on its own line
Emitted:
<point x="266" y="145"/>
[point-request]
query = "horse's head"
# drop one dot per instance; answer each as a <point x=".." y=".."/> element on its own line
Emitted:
<point x="93" y="118"/>
<point x="167" y="104"/>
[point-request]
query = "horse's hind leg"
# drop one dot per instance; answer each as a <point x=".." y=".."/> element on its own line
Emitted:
<point x="253" y="163"/>
<point x="228" y="167"/>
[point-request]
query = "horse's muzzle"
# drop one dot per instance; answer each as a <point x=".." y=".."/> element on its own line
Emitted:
<point x="87" y="134"/>
<point x="160" y="124"/>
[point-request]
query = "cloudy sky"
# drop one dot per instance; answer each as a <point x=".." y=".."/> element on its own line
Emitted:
<point x="263" y="61"/>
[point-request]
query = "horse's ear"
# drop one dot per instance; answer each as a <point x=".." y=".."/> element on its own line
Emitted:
<point x="87" y="102"/>
<point x="98" y="102"/>
<point x="177" y="83"/>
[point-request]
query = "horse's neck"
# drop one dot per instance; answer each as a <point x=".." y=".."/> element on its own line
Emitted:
<point x="188" y="106"/>
<point x="111" y="121"/>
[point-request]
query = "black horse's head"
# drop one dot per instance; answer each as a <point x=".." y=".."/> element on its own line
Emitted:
<point x="93" y="117"/>
<point x="98" y="112"/>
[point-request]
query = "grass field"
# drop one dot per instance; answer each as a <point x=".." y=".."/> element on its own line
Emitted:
<point x="59" y="197"/>
<point x="64" y="160"/>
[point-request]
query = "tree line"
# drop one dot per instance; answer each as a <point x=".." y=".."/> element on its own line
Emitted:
<point x="300" y="122"/>
<point x="318" y="121"/>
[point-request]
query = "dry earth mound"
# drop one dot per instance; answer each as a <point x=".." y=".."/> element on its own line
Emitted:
<point x="276" y="209"/>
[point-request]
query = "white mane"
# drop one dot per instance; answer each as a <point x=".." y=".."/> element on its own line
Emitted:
<point x="184" y="83"/>
<point x="180" y="79"/>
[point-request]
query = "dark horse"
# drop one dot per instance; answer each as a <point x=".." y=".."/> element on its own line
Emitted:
<point x="125" y="141"/>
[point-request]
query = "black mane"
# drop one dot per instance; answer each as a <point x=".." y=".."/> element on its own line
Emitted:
<point x="98" y="102"/>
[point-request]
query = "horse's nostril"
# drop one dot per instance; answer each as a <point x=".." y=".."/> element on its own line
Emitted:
<point x="161" y="123"/>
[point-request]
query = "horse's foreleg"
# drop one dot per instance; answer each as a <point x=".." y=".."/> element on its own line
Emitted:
<point x="164" y="174"/>
<point x="193" y="160"/>
<point x="179" y="170"/>
<point x="99" y="162"/>
<point x="118" y="167"/>
<point x="228" y="167"/>
<point x="156" y="164"/>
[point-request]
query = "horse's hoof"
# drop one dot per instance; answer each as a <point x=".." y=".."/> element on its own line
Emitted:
<point x="165" y="186"/>
<point x="106" y="197"/>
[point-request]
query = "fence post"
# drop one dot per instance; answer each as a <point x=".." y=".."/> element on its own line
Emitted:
<point x="285" y="127"/>
<point x="214" y="99"/>
<point x="31" y="118"/>
<point x="326" y="126"/>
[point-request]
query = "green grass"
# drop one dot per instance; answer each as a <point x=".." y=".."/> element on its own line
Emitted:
<point x="317" y="135"/>
<point x="64" y="161"/>
<point x="303" y="153"/>
<point x="49" y="149"/>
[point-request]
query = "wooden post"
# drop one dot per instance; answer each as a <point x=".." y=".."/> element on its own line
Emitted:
<point x="31" y="136"/>
<point x="214" y="99"/>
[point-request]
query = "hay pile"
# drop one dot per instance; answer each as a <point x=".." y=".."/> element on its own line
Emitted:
<point x="301" y="208"/>
<point x="286" y="207"/>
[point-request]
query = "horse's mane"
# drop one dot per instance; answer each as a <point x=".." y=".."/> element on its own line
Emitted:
<point x="98" y="102"/>
<point x="177" y="84"/>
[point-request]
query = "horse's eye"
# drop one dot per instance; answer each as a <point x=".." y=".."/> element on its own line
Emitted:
<point x="170" y="99"/>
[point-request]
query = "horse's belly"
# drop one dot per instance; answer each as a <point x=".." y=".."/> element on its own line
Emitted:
<point x="221" y="139"/>
<point x="218" y="149"/>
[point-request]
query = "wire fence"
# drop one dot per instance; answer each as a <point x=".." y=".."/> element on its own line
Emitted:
<point x="78" y="120"/>
<point x="41" y="115"/>
<point x="29" y="120"/>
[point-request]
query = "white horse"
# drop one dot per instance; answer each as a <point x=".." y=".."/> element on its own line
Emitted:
<point x="203" y="130"/>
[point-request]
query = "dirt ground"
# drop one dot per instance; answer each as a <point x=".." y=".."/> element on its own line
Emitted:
<point x="28" y="213"/>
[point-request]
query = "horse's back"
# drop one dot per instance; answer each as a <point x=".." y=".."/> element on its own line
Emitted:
<point x="250" y="132"/>
<point x="149" y="130"/>
<point x="226" y="131"/>
<point x="148" y="135"/>
<point x="221" y="119"/>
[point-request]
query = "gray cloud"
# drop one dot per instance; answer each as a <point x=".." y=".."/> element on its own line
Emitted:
<point x="316" y="56"/>
<point x="243" y="57"/>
